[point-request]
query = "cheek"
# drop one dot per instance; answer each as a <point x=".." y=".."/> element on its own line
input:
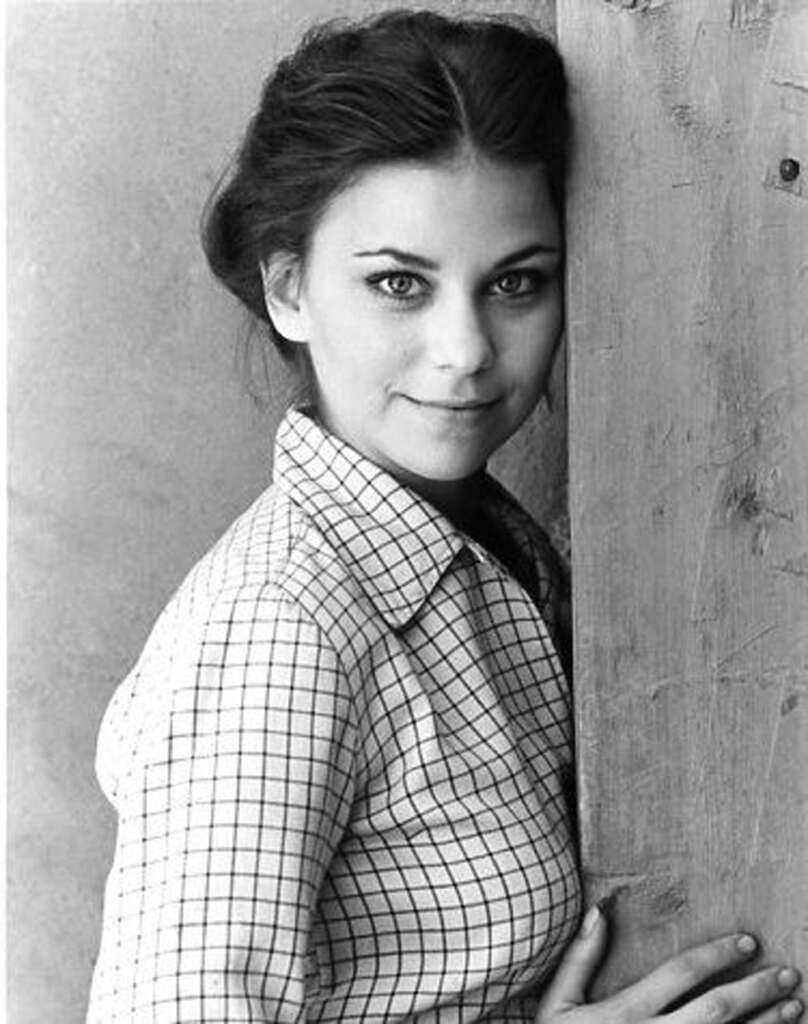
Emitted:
<point x="532" y="345"/>
<point x="351" y="323"/>
<point x="549" y="327"/>
<point x="383" y="345"/>
<point x="360" y="354"/>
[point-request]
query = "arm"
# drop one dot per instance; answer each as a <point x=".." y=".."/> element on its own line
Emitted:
<point x="228" y="826"/>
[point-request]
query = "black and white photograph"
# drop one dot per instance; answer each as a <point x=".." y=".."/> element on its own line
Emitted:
<point x="407" y="511"/>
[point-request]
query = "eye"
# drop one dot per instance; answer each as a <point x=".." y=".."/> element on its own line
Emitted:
<point x="398" y="285"/>
<point x="518" y="283"/>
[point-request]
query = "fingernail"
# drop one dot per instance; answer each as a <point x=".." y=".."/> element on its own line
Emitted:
<point x="591" y="919"/>
<point x="607" y="903"/>
<point x="791" y="1010"/>
<point x="787" y="978"/>
<point x="746" y="944"/>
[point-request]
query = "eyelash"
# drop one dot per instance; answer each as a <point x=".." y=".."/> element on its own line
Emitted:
<point x="378" y="281"/>
<point x="533" y="279"/>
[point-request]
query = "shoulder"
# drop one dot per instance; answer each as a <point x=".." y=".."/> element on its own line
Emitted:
<point x="251" y="633"/>
<point x="279" y="555"/>
<point x="269" y="603"/>
<point x="273" y="565"/>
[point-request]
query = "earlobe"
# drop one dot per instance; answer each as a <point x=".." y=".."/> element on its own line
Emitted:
<point x="281" y="277"/>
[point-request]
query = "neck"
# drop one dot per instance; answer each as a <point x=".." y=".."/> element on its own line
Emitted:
<point x="458" y="500"/>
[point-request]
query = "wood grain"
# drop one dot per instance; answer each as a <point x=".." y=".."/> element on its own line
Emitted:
<point x="688" y="349"/>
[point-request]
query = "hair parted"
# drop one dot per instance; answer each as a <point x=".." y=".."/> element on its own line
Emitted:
<point x="403" y="85"/>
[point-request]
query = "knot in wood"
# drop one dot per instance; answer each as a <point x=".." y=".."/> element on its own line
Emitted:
<point x="789" y="169"/>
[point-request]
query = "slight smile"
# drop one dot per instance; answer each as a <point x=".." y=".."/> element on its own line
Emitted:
<point x="453" y="405"/>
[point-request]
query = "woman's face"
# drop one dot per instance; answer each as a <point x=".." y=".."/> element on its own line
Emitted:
<point x="430" y="302"/>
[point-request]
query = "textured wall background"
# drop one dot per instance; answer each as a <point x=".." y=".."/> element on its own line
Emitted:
<point x="132" y="440"/>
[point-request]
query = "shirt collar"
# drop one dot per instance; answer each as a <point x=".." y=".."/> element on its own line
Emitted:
<point x="394" y="542"/>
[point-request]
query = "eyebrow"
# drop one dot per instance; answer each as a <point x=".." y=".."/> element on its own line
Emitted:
<point x="537" y="249"/>
<point x="401" y="257"/>
<point x="413" y="259"/>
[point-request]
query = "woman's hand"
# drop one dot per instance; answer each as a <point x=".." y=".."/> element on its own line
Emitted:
<point x="763" y="997"/>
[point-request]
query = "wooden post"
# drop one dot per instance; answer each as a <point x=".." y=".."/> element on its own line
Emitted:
<point x="688" y="338"/>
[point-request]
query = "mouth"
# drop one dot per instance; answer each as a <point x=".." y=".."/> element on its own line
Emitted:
<point x="455" y="405"/>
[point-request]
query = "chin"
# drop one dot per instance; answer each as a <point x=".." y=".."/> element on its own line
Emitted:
<point x="446" y="471"/>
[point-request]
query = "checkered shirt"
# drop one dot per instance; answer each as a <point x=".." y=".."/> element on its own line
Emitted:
<point x="339" y="768"/>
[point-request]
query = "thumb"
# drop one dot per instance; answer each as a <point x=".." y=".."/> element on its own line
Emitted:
<point x="577" y="967"/>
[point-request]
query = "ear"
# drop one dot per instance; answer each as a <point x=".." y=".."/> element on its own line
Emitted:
<point x="281" y="275"/>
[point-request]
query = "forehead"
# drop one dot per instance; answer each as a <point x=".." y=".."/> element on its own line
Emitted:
<point x="441" y="209"/>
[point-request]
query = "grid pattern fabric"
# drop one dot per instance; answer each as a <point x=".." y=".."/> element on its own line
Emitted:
<point x="339" y="769"/>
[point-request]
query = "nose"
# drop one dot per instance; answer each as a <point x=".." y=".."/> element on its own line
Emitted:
<point x="460" y="338"/>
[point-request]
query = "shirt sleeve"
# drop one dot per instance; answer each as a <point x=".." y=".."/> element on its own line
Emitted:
<point x="229" y="815"/>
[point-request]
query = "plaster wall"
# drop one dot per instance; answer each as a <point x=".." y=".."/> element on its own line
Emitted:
<point x="133" y="441"/>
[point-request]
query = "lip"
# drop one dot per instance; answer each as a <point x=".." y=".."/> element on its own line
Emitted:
<point x="454" y="404"/>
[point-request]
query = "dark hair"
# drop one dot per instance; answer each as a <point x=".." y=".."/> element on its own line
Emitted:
<point x="404" y="85"/>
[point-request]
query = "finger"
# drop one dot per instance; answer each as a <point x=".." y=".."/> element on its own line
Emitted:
<point x="677" y="976"/>
<point x="742" y="998"/>
<point x="783" y="1013"/>
<point x="577" y="967"/>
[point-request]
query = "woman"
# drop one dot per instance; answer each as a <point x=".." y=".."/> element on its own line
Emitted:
<point x="341" y="764"/>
